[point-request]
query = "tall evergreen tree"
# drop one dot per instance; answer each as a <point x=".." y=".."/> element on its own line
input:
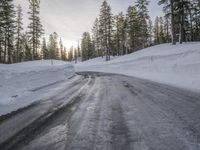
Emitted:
<point x="51" y="47"/>
<point x="166" y="28"/>
<point x="106" y="28"/>
<point x="150" y="33"/>
<point x="62" y="53"/>
<point x="96" y="38"/>
<point x="79" y="50"/>
<point x="1" y="31"/>
<point x="86" y="47"/>
<point x="132" y="30"/>
<point x="55" y="45"/>
<point x="143" y="18"/>
<point x="35" y="27"/>
<point x="71" y="54"/>
<point x="157" y="31"/>
<point x="44" y="50"/>
<point x="75" y="56"/>
<point x="7" y="28"/>
<point x="181" y="7"/>
<point x="193" y="17"/>
<point x="19" y="25"/>
<point x="161" y="34"/>
<point x="120" y="34"/>
<point x="26" y="48"/>
<point x="169" y="9"/>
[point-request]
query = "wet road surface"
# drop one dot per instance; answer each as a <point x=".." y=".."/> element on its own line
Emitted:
<point x="107" y="112"/>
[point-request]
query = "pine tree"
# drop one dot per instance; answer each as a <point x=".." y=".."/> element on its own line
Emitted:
<point x="51" y="47"/>
<point x="96" y="38"/>
<point x="120" y="34"/>
<point x="166" y="29"/>
<point x="132" y="30"/>
<point x="64" y="54"/>
<point x="143" y="17"/>
<point x="26" y="48"/>
<point x="106" y="29"/>
<point x="86" y="47"/>
<point x="161" y="34"/>
<point x="71" y="54"/>
<point x="44" y="50"/>
<point x="61" y="47"/>
<point x="181" y="8"/>
<point x="157" y="31"/>
<point x="150" y="33"/>
<point x="194" y="15"/>
<point x="169" y="8"/>
<point x="79" y="50"/>
<point x="1" y="30"/>
<point x="19" y="25"/>
<point x="35" y="27"/>
<point x="8" y="29"/>
<point x="75" y="56"/>
<point x="55" y="45"/>
<point x="184" y="16"/>
<point x="116" y="35"/>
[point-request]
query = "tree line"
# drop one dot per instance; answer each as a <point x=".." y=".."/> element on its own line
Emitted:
<point x="111" y="35"/>
<point x="54" y="49"/>
<point x="114" y="35"/>
<point x="17" y="45"/>
<point x="184" y="18"/>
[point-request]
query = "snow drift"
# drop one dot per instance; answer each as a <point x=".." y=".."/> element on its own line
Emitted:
<point x="177" y="65"/>
<point x="17" y="80"/>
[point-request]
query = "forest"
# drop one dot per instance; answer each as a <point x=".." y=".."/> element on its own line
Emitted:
<point x="111" y="34"/>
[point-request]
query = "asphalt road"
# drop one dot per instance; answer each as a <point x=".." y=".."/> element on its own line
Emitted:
<point x="107" y="112"/>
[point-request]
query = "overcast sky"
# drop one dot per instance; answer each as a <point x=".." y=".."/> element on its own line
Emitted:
<point x="70" y="18"/>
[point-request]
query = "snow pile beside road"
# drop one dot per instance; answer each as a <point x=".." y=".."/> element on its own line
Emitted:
<point x="17" y="80"/>
<point x="177" y="65"/>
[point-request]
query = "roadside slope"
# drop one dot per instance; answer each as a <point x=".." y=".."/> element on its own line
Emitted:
<point x="19" y="81"/>
<point x="177" y="65"/>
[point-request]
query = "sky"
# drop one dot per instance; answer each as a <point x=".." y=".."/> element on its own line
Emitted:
<point x="70" y="18"/>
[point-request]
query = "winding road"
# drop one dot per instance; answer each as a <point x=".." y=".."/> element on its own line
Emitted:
<point x="99" y="111"/>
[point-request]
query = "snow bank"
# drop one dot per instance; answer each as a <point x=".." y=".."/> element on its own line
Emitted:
<point x="17" y="80"/>
<point x="177" y="65"/>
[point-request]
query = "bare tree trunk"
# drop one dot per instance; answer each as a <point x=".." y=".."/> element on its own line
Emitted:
<point x="181" y="31"/>
<point x="167" y="30"/>
<point x="33" y="34"/>
<point x="191" y="28"/>
<point x="0" y="53"/>
<point x="172" y="23"/>
<point x="17" y="54"/>
<point x="5" y="51"/>
<point x="181" y="24"/>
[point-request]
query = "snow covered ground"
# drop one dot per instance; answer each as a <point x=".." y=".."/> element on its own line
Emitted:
<point x="20" y="80"/>
<point x="177" y="65"/>
<point x="25" y="83"/>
